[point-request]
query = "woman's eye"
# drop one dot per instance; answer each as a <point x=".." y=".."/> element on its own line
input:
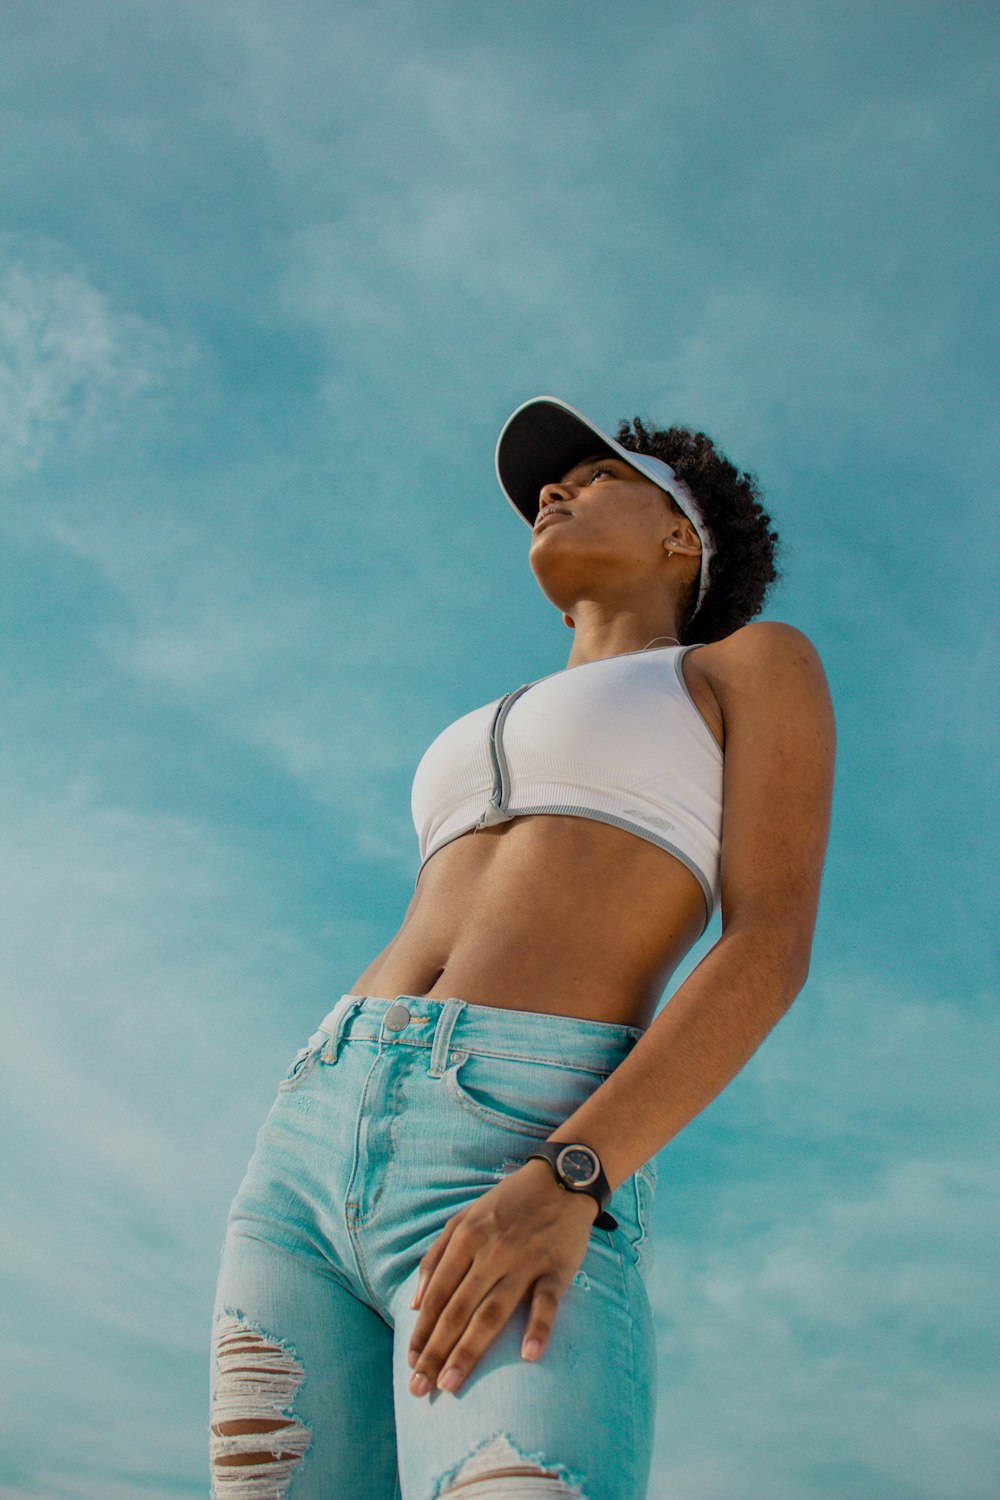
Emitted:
<point x="599" y="469"/>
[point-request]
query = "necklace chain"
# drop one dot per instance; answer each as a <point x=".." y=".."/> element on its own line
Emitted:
<point x="660" y="638"/>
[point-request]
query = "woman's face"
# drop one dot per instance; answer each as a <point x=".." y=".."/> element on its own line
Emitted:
<point x="606" y="529"/>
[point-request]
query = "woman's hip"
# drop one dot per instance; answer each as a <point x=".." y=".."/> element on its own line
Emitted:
<point x="396" y="1114"/>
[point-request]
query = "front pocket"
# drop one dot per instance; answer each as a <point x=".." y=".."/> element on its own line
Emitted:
<point x="518" y="1095"/>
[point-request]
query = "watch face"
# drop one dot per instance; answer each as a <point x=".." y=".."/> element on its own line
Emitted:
<point x="579" y="1165"/>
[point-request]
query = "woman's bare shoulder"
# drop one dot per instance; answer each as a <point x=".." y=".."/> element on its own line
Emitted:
<point x="767" y="660"/>
<point x="761" y="641"/>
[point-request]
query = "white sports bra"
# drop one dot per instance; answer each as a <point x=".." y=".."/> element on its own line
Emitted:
<point x="618" y="739"/>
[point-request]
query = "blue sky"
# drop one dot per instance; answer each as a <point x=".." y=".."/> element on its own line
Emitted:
<point x="271" y="278"/>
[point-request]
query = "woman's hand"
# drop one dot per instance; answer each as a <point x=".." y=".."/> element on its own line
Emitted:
<point x="525" y="1237"/>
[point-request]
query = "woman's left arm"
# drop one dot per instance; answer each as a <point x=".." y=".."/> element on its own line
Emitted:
<point x="780" y="740"/>
<point x="527" y="1236"/>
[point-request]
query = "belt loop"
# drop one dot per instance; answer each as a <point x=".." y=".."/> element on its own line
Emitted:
<point x="442" y="1036"/>
<point x="333" y="1024"/>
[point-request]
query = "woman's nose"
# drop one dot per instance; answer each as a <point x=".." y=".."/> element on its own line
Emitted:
<point x="550" y="494"/>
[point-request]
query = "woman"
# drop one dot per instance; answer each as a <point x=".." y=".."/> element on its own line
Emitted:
<point x="423" y="1292"/>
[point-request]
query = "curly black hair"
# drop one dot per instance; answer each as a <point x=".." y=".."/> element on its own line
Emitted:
<point x="743" y="569"/>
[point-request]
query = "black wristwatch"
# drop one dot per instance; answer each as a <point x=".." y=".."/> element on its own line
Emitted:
<point x="578" y="1169"/>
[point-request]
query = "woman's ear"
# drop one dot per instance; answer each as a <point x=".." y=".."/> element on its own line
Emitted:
<point x="682" y="536"/>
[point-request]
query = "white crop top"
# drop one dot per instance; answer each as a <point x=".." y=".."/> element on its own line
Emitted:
<point x="618" y="739"/>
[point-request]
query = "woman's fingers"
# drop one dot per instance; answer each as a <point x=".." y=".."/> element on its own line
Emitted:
<point x="460" y="1318"/>
<point x="430" y="1262"/>
<point x="464" y="1333"/>
<point x="545" y="1298"/>
<point x="453" y="1289"/>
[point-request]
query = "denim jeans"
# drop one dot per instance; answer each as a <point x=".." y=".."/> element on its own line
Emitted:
<point x="395" y="1115"/>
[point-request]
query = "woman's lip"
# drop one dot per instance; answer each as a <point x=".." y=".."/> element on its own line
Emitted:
<point x="548" y="517"/>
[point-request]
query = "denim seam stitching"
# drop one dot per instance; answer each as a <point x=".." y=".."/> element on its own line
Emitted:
<point x="560" y="1063"/>
<point x="640" y="1218"/>
<point x="351" y="1224"/>
<point x="531" y="1057"/>
<point x="632" y="1353"/>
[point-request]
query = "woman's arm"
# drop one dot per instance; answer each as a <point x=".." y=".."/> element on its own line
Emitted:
<point x="780" y="737"/>
<point x="525" y="1237"/>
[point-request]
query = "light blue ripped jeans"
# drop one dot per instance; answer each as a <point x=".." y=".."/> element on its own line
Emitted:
<point x="395" y="1115"/>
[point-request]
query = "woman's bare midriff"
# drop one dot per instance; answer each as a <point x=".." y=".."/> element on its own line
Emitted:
<point x="563" y="915"/>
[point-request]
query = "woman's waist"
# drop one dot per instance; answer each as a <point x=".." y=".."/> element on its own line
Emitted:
<point x="556" y="972"/>
<point x="563" y="920"/>
<point x="497" y="975"/>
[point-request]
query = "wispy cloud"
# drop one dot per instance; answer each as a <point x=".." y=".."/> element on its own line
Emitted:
<point x="153" y="993"/>
<point x="302" y="673"/>
<point x="71" y="363"/>
<point x="841" y="1274"/>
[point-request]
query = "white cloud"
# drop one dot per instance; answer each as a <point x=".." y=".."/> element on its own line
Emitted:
<point x="434" y="231"/>
<point x="153" y="992"/>
<point x="832" y="1313"/>
<point x="310" y="673"/>
<point x="846" y="1335"/>
<point x="70" y="362"/>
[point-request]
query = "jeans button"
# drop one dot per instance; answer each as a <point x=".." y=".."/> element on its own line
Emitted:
<point x="397" y="1016"/>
